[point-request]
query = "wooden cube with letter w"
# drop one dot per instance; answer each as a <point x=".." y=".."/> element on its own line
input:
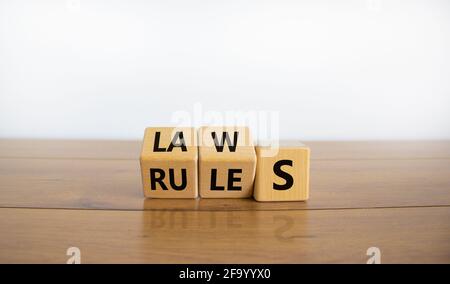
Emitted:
<point x="227" y="162"/>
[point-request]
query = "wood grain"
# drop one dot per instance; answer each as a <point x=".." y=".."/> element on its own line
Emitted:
<point x="61" y="149"/>
<point x="392" y="195"/>
<point x="407" y="235"/>
<point x="116" y="184"/>
<point x="320" y="150"/>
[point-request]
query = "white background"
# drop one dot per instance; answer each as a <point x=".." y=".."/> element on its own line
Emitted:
<point x="361" y="69"/>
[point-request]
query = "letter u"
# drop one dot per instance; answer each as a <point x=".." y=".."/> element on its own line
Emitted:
<point x="183" y="184"/>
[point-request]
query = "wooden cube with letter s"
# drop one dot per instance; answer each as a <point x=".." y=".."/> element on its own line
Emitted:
<point x="169" y="161"/>
<point x="227" y="162"/>
<point x="282" y="172"/>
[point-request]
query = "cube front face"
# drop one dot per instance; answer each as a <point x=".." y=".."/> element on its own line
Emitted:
<point x="169" y="179"/>
<point x="169" y="161"/>
<point x="283" y="177"/>
<point x="227" y="164"/>
<point x="226" y="179"/>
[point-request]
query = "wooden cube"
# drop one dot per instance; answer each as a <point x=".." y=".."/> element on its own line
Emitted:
<point x="227" y="162"/>
<point x="282" y="174"/>
<point x="169" y="161"/>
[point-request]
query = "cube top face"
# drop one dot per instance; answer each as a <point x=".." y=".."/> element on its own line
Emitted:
<point x="283" y="176"/>
<point x="170" y="143"/>
<point x="228" y="143"/>
<point x="169" y="162"/>
<point x="281" y="143"/>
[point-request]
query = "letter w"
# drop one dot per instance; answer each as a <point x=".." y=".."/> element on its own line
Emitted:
<point x="225" y="136"/>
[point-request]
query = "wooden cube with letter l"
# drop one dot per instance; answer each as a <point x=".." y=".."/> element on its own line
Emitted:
<point x="227" y="162"/>
<point x="282" y="172"/>
<point x="169" y="162"/>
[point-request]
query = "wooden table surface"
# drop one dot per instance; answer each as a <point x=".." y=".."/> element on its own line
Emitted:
<point x="59" y="194"/>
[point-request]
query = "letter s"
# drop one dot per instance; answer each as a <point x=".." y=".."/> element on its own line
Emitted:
<point x="286" y="176"/>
